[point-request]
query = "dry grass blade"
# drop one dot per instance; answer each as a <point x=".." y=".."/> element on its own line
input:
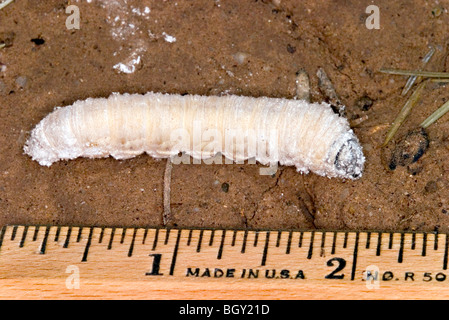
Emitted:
<point x="405" y="111"/>
<point x="5" y="3"/>
<point x="411" y="80"/>
<point x="439" y="80"/>
<point x="427" y="74"/>
<point x="441" y="111"/>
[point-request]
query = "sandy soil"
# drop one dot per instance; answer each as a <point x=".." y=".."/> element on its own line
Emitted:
<point x="251" y="48"/>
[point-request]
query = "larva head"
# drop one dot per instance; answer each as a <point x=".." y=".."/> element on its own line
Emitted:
<point x="349" y="160"/>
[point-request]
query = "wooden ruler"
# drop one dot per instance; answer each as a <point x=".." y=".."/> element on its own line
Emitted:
<point x="94" y="262"/>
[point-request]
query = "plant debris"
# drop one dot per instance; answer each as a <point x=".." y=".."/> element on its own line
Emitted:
<point x="327" y="88"/>
<point x="364" y="103"/>
<point x="405" y="111"/>
<point x="6" y="39"/>
<point x="436" y="115"/>
<point x="411" y="80"/>
<point x="5" y="3"/>
<point x="409" y="149"/>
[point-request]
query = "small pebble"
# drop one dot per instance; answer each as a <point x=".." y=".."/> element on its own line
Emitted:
<point x="7" y="38"/>
<point x="431" y="186"/>
<point x="240" y="57"/>
<point x="437" y="11"/>
<point x="21" y="81"/>
<point x="225" y="187"/>
<point x="364" y="103"/>
<point x="2" y="87"/>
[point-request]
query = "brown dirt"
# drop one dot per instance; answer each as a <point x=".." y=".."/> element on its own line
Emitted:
<point x="278" y="40"/>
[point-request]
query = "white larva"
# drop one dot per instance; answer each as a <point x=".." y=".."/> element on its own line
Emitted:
<point x="309" y="136"/>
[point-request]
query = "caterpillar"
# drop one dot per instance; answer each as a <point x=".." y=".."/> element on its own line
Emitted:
<point x="309" y="136"/>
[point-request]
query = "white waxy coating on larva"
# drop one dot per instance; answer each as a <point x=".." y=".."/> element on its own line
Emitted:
<point x="309" y="136"/>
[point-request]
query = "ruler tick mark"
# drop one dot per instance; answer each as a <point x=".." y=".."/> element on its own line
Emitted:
<point x="36" y="230"/>
<point x="86" y="248"/>
<point x="100" y="240"/>
<point x="265" y="249"/>
<point x="211" y="240"/>
<point x="289" y="242"/>
<point x="200" y="239"/>
<point x="245" y="237"/>
<point x="234" y="236"/>
<point x="145" y="233"/>
<point x="80" y="232"/>
<point x="345" y="241"/>
<point x="156" y="236"/>
<point x="2" y="235"/>
<point x="446" y="247"/>
<point x="334" y="240"/>
<point x="44" y="241"/>
<point x="312" y="238"/>
<point x="424" y="245"/>
<point x="189" y="239"/>
<point x="401" y="249"/>
<point x="379" y="243"/>
<point x="354" y="260"/>
<point x="13" y="234"/>
<point x="220" y="249"/>
<point x="24" y="235"/>
<point x="111" y="238"/>
<point x="58" y="232"/>
<point x="122" y="239"/>
<point x="175" y="253"/>
<point x="167" y="236"/>
<point x="323" y="240"/>
<point x="131" y="246"/>
<point x="368" y="240"/>
<point x="278" y="240"/>
<point x="256" y="238"/>
<point x="67" y="238"/>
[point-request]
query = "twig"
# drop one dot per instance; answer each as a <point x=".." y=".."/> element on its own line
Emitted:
<point x="356" y="122"/>
<point x="167" y="188"/>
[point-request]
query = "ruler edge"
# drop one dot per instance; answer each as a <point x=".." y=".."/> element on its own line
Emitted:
<point x="356" y="239"/>
<point x="5" y="226"/>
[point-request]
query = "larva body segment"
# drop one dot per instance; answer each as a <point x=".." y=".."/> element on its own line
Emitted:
<point x="292" y="132"/>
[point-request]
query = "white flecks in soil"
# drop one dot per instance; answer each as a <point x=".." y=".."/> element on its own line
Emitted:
<point x="129" y="28"/>
<point x="168" y="38"/>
